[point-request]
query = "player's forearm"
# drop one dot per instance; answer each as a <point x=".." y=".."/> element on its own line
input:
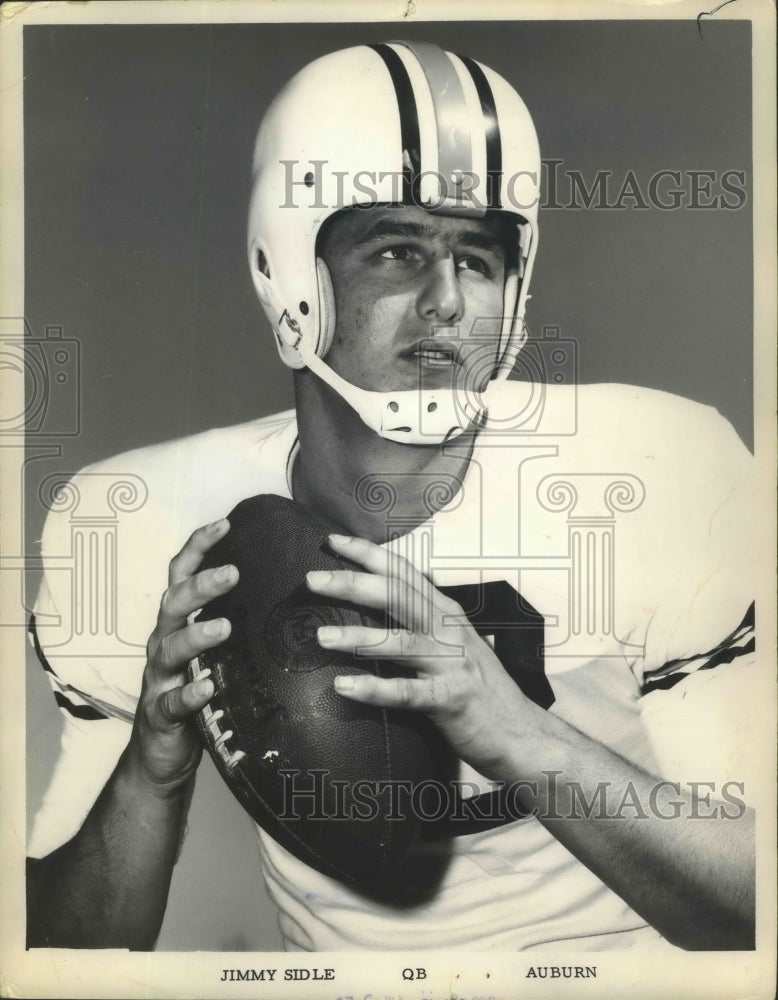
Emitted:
<point x="691" y="876"/>
<point x="108" y="886"/>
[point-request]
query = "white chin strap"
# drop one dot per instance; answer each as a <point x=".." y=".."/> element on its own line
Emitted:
<point x="409" y="416"/>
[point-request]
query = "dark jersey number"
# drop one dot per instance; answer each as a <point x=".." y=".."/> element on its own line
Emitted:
<point x="496" y="608"/>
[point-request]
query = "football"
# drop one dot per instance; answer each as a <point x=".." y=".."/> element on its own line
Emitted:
<point x="321" y="774"/>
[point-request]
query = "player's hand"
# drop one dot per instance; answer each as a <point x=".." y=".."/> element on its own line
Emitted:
<point x="460" y="681"/>
<point x="164" y="747"/>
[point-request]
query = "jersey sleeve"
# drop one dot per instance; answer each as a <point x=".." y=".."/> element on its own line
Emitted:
<point x="94" y="734"/>
<point x="89" y="638"/>
<point x="704" y="687"/>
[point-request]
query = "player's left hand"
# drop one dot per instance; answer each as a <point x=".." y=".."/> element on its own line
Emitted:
<point x="460" y="682"/>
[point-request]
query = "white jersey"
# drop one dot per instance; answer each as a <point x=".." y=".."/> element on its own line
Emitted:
<point x="622" y="517"/>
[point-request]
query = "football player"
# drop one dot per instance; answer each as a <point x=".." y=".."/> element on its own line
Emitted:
<point x="393" y="228"/>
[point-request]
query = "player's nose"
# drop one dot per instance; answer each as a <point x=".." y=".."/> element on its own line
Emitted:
<point x="440" y="296"/>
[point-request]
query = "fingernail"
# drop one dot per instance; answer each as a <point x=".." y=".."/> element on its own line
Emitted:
<point x="319" y="578"/>
<point x="215" y="525"/>
<point x="340" y="539"/>
<point x="344" y="683"/>
<point x="225" y="574"/>
<point x="203" y="674"/>
<point x="328" y="634"/>
<point x="215" y="627"/>
<point x="204" y="689"/>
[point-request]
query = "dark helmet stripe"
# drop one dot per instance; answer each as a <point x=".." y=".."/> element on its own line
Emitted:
<point x="492" y="126"/>
<point x="409" y="119"/>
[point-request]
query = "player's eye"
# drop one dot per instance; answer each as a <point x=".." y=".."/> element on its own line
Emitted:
<point x="399" y="252"/>
<point x="473" y="263"/>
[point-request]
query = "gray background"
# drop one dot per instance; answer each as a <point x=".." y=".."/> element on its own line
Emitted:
<point x="137" y="150"/>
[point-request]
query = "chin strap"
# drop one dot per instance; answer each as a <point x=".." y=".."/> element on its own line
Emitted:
<point x="409" y="416"/>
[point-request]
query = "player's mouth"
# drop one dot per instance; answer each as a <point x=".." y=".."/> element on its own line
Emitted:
<point x="434" y="353"/>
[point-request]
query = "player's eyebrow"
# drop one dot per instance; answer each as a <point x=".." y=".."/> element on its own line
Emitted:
<point x="395" y="228"/>
<point x="482" y="241"/>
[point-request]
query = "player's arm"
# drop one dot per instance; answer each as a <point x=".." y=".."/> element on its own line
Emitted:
<point x="107" y="887"/>
<point x="691" y="878"/>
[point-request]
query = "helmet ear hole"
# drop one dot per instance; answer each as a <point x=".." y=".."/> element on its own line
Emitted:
<point x="326" y="308"/>
<point x="262" y="265"/>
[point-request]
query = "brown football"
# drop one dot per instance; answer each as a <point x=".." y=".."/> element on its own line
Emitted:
<point x="319" y="773"/>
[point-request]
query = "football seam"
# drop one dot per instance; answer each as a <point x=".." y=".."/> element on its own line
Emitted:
<point x="306" y="848"/>
<point x="388" y="758"/>
<point x="237" y="770"/>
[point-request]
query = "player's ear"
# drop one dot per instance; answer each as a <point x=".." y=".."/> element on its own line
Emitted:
<point x="326" y="308"/>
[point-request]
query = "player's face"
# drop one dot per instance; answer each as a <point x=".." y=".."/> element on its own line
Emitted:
<point x="419" y="297"/>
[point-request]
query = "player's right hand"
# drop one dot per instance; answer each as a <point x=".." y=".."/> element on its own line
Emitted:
<point x="164" y="750"/>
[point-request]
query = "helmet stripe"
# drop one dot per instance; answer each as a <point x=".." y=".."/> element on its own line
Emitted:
<point x="455" y="153"/>
<point x="409" y="119"/>
<point x="492" y="126"/>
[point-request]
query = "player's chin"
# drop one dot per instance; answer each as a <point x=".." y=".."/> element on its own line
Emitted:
<point x="461" y="378"/>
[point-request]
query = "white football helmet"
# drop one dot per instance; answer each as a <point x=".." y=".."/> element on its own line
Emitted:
<point x="399" y="122"/>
